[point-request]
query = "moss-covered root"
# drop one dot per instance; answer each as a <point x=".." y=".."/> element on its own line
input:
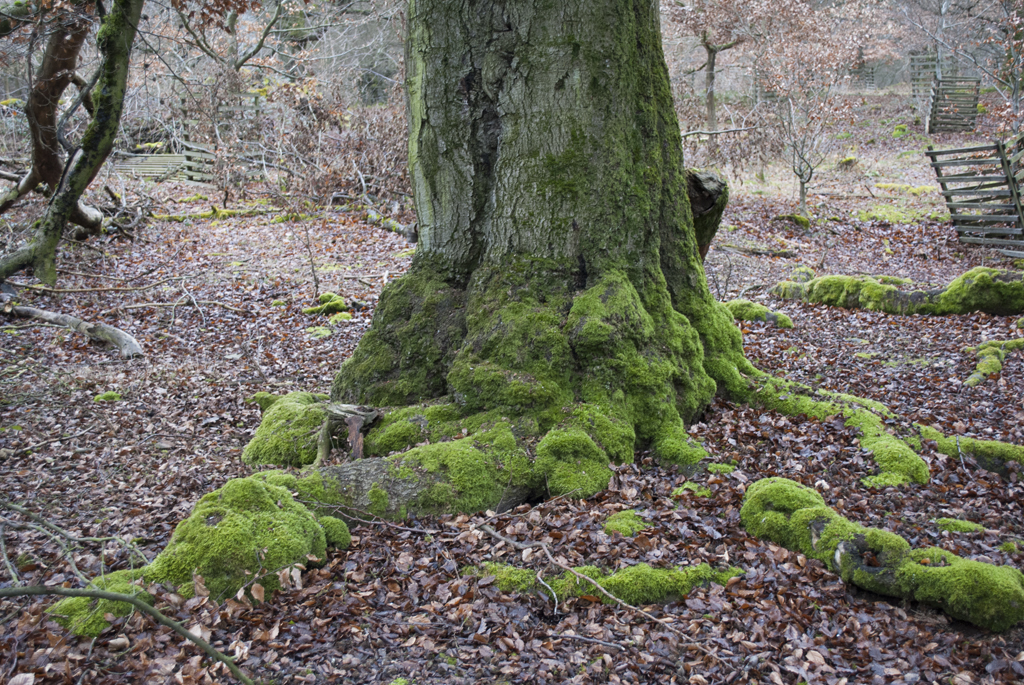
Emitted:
<point x="897" y="461"/>
<point x="745" y="310"/>
<point x="991" y="455"/>
<point x="979" y="290"/>
<point x="991" y="355"/>
<point x="796" y="517"/>
<point x="244" y="532"/>
<point x="289" y="433"/>
<point x="635" y="585"/>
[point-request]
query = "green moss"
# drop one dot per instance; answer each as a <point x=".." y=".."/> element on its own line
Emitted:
<point x="419" y="325"/>
<point x="690" y="486"/>
<point x="264" y="400"/>
<point x="1020" y="322"/>
<point x="108" y="396"/>
<point x="336" y="532"/>
<point x="1009" y="547"/>
<point x="906" y="189"/>
<point x="847" y="162"/>
<point x="991" y="355"/>
<point x="627" y="523"/>
<point x="289" y="432"/>
<point x="329" y="304"/>
<point x="745" y="310"/>
<point x="319" y="332"/>
<point x="795" y="219"/>
<point x="572" y="463"/>
<point x="340" y="316"/>
<point x="721" y="468"/>
<point x="958" y="526"/>
<point x="379" y="501"/>
<point x="278" y="303"/>
<point x="886" y="479"/>
<point x="635" y="585"/>
<point x="789" y="514"/>
<point x="899" y="131"/>
<point x="85" y="616"/>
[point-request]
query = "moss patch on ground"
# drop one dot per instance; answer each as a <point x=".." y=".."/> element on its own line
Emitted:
<point x="243" y="532"/>
<point x="289" y="432"/>
<point x="690" y="486"/>
<point x="330" y="303"/>
<point x="635" y="585"/>
<point x="627" y="523"/>
<point x="745" y="310"/>
<point x="721" y="469"/>
<point x="958" y="526"/>
<point x="795" y="516"/>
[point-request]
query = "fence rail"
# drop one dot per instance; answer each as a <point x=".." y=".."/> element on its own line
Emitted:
<point x="983" y="192"/>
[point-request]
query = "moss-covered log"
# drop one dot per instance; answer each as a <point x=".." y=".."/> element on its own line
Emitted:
<point x="991" y="355"/>
<point x="796" y="517"/>
<point x="979" y="290"/>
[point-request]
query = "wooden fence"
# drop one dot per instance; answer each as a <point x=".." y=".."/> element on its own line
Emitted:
<point x="983" y="192"/>
<point x="954" y="105"/>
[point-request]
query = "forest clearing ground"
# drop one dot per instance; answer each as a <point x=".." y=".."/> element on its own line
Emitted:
<point x="397" y="603"/>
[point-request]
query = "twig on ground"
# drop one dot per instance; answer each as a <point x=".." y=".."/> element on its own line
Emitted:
<point x="125" y="342"/>
<point x="152" y="612"/>
<point x="144" y="305"/>
<point x="32" y="448"/>
<point x="583" y="638"/>
<point x="45" y="289"/>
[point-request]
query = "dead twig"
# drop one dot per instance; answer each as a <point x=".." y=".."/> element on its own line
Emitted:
<point x="33" y="448"/>
<point x="152" y="612"/>
<point x="583" y="638"/>
<point x="45" y="289"/>
<point x="589" y="581"/>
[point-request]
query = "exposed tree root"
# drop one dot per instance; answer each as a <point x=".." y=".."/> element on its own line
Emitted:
<point x="745" y="310"/>
<point x="991" y="355"/>
<point x="796" y="517"/>
<point x="979" y="290"/>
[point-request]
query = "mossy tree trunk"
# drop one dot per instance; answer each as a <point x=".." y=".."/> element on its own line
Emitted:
<point x="114" y="41"/>
<point x="556" y="316"/>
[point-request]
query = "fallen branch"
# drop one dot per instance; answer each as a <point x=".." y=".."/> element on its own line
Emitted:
<point x="32" y="448"/>
<point x="152" y="612"/>
<point x="45" y="289"/>
<point x="717" y="133"/>
<point x="146" y="305"/>
<point x="127" y="344"/>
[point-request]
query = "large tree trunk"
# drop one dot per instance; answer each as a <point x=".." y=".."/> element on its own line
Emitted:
<point x="114" y="41"/>
<point x="556" y="315"/>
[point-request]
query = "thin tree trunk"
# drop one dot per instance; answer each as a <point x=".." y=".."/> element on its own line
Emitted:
<point x="114" y="41"/>
<point x="709" y="87"/>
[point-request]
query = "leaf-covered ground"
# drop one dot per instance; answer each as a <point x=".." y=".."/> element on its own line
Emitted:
<point x="398" y="603"/>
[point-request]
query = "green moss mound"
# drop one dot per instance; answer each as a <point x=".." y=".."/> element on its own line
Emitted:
<point x="246" y="528"/>
<point x="289" y="431"/>
<point x="795" y="516"/>
<point x="991" y="455"/>
<point x="242" y="533"/>
<point x="85" y="616"/>
<point x="627" y="523"/>
<point x="635" y="585"/>
<point x="336" y="532"/>
<point x="109" y="396"/>
<point x="721" y="469"/>
<point x="330" y="303"/>
<point x="979" y="290"/>
<point x="745" y="310"/>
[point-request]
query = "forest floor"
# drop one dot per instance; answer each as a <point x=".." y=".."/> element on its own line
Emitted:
<point x="217" y="306"/>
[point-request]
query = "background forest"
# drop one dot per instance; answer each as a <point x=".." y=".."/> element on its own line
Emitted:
<point x="256" y="201"/>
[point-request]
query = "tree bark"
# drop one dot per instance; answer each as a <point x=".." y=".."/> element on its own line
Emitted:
<point x="114" y="41"/>
<point x="55" y="74"/>
<point x="556" y="316"/>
